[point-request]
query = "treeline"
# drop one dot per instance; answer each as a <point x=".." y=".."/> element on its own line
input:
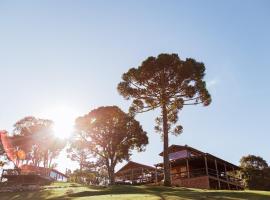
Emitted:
<point x="107" y="135"/>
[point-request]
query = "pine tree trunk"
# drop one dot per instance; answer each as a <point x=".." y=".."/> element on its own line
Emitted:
<point x="166" y="161"/>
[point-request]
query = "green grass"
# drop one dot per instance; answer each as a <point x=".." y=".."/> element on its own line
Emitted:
<point x="69" y="191"/>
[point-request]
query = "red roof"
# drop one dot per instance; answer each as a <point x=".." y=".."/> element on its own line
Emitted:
<point x="175" y="148"/>
<point x="38" y="169"/>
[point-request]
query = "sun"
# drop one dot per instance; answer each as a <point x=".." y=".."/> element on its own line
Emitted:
<point x="63" y="118"/>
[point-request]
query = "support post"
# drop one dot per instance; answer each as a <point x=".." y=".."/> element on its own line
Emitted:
<point x="156" y="175"/>
<point x="206" y="165"/>
<point x="132" y="176"/>
<point x="235" y="176"/>
<point x="226" y="175"/>
<point x="217" y="174"/>
<point x="142" y="175"/>
<point x="122" y="176"/>
<point x="171" y="171"/>
<point x="2" y="175"/>
<point x="187" y="166"/>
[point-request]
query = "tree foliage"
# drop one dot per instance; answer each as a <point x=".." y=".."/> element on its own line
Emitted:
<point x="3" y="158"/>
<point x="79" y="152"/>
<point x="255" y="172"/>
<point x="33" y="141"/>
<point x="168" y="83"/>
<point x="2" y="150"/>
<point x="111" y="135"/>
<point x="253" y="162"/>
<point x="90" y="175"/>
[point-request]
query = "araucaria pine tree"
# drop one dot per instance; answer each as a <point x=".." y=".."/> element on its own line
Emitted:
<point x="168" y="83"/>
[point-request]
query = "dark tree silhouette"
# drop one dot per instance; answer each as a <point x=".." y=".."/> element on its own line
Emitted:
<point x="110" y="135"/>
<point x="168" y="83"/>
<point x="2" y="151"/>
<point x="255" y="172"/>
<point x="6" y="150"/>
<point x="253" y="162"/>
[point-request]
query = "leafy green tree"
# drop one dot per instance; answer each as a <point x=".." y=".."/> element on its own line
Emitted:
<point x="110" y="135"/>
<point x="255" y="172"/>
<point x="79" y="152"/>
<point x="87" y="177"/>
<point x="34" y="141"/>
<point x="91" y="174"/>
<point x="253" y="162"/>
<point x="168" y="83"/>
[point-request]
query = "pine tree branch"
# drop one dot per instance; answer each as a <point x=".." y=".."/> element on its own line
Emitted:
<point x="195" y="103"/>
<point x="91" y="149"/>
<point x="195" y="98"/>
<point x="150" y="108"/>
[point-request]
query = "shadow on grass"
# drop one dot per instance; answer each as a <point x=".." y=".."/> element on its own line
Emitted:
<point x="162" y="193"/>
<point x="173" y="193"/>
<point x="27" y="195"/>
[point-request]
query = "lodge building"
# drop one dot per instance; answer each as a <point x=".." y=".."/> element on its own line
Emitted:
<point x="189" y="168"/>
<point x="26" y="173"/>
<point x="29" y="174"/>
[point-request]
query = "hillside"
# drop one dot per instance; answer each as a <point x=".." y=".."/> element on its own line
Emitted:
<point x="70" y="191"/>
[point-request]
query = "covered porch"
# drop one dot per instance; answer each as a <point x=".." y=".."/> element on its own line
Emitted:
<point x="204" y="171"/>
<point x="136" y="173"/>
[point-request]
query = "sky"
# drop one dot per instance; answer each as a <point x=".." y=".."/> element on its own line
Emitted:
<point x="61" y="59"/>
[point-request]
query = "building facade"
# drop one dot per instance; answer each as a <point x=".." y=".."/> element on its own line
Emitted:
<point x="28" y="174"/>
<point x="192" y="168"/>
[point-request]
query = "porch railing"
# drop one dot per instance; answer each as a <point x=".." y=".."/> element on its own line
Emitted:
<point x="202" y="172"/>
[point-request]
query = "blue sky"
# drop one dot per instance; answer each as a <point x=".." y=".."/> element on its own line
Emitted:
<point x="73" y="53"/>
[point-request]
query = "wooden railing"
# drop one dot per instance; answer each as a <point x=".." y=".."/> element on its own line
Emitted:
<point x="202" y="172"/>
<point x="11" y="172"/>
<point x="189" y="174"/>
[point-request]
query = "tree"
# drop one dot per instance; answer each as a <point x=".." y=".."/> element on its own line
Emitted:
<point x="78" y="152"/>
<point x="255" y="172"/>
<point x="92" y="174"/>
<point x="110" y="135"/>
<point x="253" y="162"/>
<point x="84" y="177"/>
<point x="34" y="141"/>
<point x="2" y="151"/>
<point x="168" y="83"/>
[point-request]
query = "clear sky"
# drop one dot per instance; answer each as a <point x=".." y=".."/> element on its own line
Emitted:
<point x="60" y="59"/>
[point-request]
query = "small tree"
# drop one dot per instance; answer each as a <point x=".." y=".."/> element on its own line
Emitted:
<point x="78" y="152"/>
<point x="168" y="83"/>
<point x="87" y="177"/>
<point x="110" y="135"/>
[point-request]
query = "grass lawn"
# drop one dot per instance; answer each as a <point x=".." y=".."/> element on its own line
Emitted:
<point x="59" y="191"/>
